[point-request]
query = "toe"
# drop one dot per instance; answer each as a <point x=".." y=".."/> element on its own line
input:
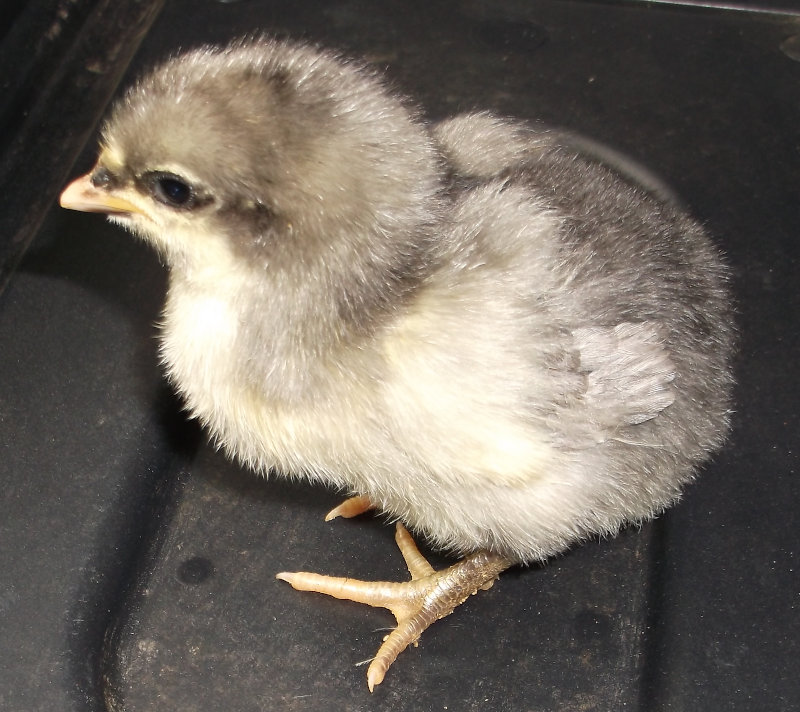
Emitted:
<point x="351" y="507"/>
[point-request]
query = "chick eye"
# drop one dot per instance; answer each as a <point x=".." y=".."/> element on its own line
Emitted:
<point x="172" y="190"/>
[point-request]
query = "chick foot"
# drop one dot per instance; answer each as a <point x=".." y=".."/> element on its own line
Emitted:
<point x="416" y="604"/>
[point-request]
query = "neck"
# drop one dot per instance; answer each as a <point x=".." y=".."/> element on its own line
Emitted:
<point x="286" y="329"/>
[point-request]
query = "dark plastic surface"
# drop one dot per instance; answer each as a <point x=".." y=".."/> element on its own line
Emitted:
<point x="137" y="565"/>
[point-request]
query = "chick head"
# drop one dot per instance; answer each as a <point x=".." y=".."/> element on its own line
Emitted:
<point x="260" y="149"/>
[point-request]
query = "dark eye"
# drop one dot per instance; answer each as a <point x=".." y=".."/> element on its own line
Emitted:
<point x="172" y="190"/>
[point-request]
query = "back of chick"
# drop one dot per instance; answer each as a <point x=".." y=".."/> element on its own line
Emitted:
<point x="497" y="340"/>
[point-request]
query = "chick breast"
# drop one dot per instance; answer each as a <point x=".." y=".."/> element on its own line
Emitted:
<point x="498" y="340"/>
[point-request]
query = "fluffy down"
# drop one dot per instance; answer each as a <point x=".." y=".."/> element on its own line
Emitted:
<point x="498" y="340"/>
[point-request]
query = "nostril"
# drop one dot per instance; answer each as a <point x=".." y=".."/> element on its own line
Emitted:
<point x="102" y="178"/>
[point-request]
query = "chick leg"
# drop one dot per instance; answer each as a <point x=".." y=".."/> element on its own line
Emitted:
<point x="416" y="604"/>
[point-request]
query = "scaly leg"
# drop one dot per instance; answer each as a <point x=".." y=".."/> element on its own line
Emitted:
<point x="416" y="604"/>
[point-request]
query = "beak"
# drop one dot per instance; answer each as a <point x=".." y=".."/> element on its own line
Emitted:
<point x="82" y="195"/>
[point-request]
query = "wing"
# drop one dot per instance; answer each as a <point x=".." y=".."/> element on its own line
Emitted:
<point x="620" y="376"/>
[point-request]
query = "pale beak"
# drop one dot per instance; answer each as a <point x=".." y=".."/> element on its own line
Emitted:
<point x="82" y="195"/>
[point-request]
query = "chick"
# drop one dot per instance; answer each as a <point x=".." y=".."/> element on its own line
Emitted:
<point x="469" y="326"/>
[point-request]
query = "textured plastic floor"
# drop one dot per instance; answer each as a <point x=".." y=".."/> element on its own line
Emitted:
<point x="137" y="565"/>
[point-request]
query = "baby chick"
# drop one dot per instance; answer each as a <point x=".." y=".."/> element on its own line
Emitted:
<point x="469" y="326"/>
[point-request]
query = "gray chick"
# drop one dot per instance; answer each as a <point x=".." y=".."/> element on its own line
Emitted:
<point x="469" y="325"/>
